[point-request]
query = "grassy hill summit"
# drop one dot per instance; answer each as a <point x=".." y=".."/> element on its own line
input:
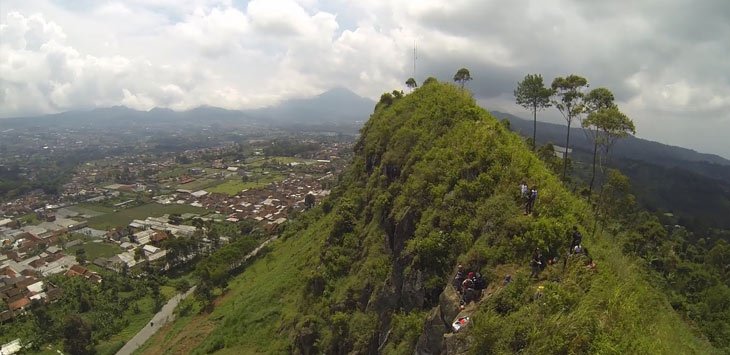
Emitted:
<point x="435" y="184"/>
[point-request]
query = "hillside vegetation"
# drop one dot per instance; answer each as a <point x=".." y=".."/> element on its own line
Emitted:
<point x="434" y="183"/>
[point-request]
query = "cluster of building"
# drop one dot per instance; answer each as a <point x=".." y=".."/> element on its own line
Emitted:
<point x="146" y="236"/>
<point x="19" y="291"/>
<point x="27" y="238"/>
<point x="269" y="205"/>
<point x="33" y="251"/>
<point x="24" y="204"/>
<point x="21" y="278"/>
<point x="29" y="253"/>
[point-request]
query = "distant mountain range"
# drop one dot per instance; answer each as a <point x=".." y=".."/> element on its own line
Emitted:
<point x="694" y="186"/>
<point x="335" y="107"/>
<point x="631" y="147"/>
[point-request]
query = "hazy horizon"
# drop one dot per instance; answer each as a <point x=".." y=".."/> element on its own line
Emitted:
<point x="668" y="76"/>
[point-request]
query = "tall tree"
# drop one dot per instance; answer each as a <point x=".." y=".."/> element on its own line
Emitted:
<point x="610" y="125"/>
<point x="309" y="201"/>
<point x="77" y="336"/>
<point x="597" y="99"/>
<point x="411" y="83"/>
<point x="81" y="256"/>
<point x="462" y="76"/>
<point x="532" y="94"/>
<point x="613" y="125"/>
<point x="568" y="99"/>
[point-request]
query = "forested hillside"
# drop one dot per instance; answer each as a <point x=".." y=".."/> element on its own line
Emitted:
<point x="693" y="186"/>
<point x="434" y="184"/>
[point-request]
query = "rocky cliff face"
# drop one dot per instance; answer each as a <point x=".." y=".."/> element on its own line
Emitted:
<point x="438" y="323"/>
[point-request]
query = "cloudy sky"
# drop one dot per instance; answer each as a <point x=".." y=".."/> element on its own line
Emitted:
<point x="668" y="62"/>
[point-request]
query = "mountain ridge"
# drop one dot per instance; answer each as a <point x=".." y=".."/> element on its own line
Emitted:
<point x="622" y="147"/>
<point x="433" y="184"/>
<point x="338" y="105"/>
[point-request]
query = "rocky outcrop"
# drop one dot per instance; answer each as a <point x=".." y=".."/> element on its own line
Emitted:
<point x="413" y="291"/>
<point x="438" y="323"/>
<point x="455" y="344"/>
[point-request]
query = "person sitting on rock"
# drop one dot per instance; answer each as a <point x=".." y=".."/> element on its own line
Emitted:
<point x="479" y="282"/>
<point x="459" y="278"/>
<point x="469" y="294"/>
<point x="467" y="284"/>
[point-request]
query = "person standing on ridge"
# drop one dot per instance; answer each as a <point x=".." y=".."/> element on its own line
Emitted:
<point x="523" y="190"/>
<point x="535" y="263"/>
<point x="532" y="196"/>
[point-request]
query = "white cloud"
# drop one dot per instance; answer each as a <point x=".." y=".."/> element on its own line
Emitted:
<point x="57" y="56"/>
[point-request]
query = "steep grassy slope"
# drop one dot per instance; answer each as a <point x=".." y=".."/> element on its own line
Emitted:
<point x="434" y="183"/>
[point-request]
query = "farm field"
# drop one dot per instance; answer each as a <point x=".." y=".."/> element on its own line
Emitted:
<point x="95" y="250"/>
<point x="123" y="217"/>
<point x="233" y="187"/>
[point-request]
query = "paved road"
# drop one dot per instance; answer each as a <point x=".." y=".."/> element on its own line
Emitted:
<point x="161" y="318"/>
<point x="166" y="314"/>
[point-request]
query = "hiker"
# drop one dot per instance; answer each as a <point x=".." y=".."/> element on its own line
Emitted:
<point x="479" y="282"/>
<point x="577" y="238"/>
<point x="543" y="262"/>
<point x="578" y="249"/>
<point x="507" y="280"/>
<point x="535" y="263"/>
<point x="532" y="196"/>
<point x="467" y="284"/>
<point x="469" y="292"/>
<point x="523" y="191"/>
<point x="459" y="278"/>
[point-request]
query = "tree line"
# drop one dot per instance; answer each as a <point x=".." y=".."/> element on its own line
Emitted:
<point x="596" y="110"/>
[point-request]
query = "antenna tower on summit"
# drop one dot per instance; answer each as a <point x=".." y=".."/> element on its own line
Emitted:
<point x="414" y="59"/>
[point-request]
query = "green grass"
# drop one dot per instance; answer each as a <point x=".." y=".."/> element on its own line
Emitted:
<point x="178" y="171"/>
<point x="96" y="250"/>
<point x="230" y="187"/>
<point x="168" y="334"/>
<point x="199" y="184"/>
<point x="167" y="291"/>
<point x="91" y="208"/>
<point x="124" y="217"/>
<point x="29" y="219"/>
<point x="280" y="160"/>
<point x="459" y="170"/>
<point x="257" y="303"/>
<point x="260" y="301"/>
<point x="136" y="323"/>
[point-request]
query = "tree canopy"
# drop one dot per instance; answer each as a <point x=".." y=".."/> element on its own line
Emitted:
<point x="411" y="83"/>
<point x="532" y="94"/>
<point x="568" y="99"/>
<point x="596" y="99"/>
<point x="462" y="76"/>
